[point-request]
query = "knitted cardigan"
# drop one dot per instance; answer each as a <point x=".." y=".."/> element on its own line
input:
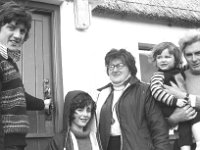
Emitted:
<point x="13" y="102"/>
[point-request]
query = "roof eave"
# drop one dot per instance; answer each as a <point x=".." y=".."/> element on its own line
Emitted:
<point x="176" y="15"/>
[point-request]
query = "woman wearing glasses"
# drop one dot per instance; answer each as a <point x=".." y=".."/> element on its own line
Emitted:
<point x="127" y="116"/>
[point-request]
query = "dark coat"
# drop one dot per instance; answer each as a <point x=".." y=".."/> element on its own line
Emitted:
<point x="142" y="124"/>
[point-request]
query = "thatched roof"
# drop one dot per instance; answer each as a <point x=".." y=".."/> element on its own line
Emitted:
<point x="187" y="11"/>
<point x="17" y="1"/>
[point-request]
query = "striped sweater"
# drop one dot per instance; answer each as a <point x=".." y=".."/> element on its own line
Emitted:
<point x="157" y="80"/>
<point x="13" y="102"/>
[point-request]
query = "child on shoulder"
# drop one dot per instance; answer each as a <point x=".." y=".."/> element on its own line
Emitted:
<point x="168" y="60"/>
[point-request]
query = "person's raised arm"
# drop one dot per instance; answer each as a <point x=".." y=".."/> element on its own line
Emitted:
<point x="34" y="103"/>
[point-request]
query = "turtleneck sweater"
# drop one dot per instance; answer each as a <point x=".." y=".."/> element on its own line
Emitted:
<point x="84" y="143"/>
<point x="83" y="139"/>
<point x="117" y="92"/>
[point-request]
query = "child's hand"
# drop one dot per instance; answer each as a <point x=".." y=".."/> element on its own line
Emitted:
<point x="181" y="102"/>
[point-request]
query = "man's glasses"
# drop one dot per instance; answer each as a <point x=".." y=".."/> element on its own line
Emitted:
<point x="118" y="66"/>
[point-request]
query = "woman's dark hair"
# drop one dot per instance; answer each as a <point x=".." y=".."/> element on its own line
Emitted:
<point x="126" y="57"/>
<point x="11" y="11"/>
<point x="172" y="48"/>
<point x="80" y="101"/>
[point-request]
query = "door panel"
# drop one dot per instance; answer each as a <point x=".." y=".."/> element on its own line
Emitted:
<point x="35" y="66"/>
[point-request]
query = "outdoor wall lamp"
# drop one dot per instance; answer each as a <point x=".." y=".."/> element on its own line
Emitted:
<point x="82" y="12"/>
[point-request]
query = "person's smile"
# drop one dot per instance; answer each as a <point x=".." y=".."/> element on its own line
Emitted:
<point x="15" y="42"/>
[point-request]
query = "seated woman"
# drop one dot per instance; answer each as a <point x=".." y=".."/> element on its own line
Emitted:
<point x="78" y="120"/>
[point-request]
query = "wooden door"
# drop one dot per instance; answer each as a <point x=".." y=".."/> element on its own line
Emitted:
<point x="35" y="66"/>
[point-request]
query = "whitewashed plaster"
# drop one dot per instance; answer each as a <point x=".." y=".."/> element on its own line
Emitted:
<point x="83" y="52"/>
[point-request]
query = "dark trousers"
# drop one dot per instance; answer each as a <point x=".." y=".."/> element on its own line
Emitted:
<point x="14" y="148"/>
<point x="114" y="143"/>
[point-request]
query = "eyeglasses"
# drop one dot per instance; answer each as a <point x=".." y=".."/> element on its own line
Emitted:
<point x="118" y="66"/>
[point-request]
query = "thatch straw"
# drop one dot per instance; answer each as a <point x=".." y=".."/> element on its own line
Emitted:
<point x="175" y="10"/>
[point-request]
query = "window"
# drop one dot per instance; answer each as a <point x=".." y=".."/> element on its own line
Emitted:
<point x="146" y="68"/>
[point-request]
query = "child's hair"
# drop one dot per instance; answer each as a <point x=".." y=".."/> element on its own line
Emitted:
<point x="11" y="11"/>
<point x="172" y="48"/>
<point x="80" y="101"/>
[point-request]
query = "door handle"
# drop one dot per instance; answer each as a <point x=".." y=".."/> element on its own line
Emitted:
<point x="47" y="89"/>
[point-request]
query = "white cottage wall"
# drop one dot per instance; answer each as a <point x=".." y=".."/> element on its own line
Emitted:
<point x="83" y="52"/>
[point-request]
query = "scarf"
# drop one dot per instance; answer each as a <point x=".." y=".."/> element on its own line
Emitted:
<point x="79" y="134"/>
<point x="93" y="141"/>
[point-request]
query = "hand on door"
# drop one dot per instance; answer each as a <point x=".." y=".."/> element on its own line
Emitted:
<point x="47" y="97"/>
<point x="48" y="105"/>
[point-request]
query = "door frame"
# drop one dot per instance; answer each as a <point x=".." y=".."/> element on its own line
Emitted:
<point x="57" y="83"/>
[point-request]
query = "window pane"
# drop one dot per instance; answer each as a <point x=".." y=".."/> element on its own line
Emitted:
<point x="147" y="69"/>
